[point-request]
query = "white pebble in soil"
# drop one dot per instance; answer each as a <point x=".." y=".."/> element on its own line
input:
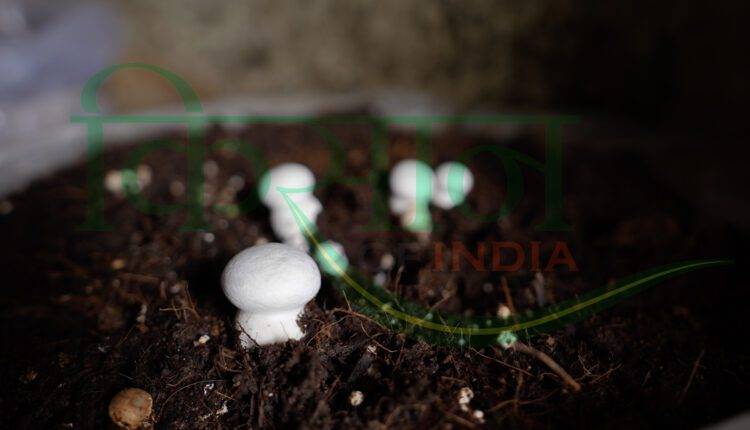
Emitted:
<point x="210" y="169"/>
<point x="202" y="340"/>
<point x="356" y="398"/>
<point x="464" y="398"/>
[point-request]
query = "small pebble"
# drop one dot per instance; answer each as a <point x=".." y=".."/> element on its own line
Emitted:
<point x="202" y="340"/>
<point x="465" y="395"/>
<point x="372" y="349"/>
<point x="227" y="196"/>
<point x="210" y="169"/>
<point x="380" y="279"/>
<point x="130" y="408"/>
<point x="487" y="287"/>
<point x="551" y="342"/>
<point x="209" y="237"/>
<point x="176" y="188"/>
<point x="118" y="263"/>
<point x="175" y="288"/>
<point x="144" y="175"/>
<point x="30" y="375"/>
<point x="113" y="181"/>
<point x="479" y="416"/>
<point x="386" y="261"/>
<point x="141" y="318"/>
<point x="236" y="182"/>
<point x="503" y="311"/>
<point x="356" y="398"/>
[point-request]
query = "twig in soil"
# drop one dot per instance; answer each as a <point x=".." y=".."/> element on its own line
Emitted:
<point x="378" y="344"/>
<point x="449" y="378"/>
<point x="546" y="359"/>
<point x="224" y="395"/>
<point x="697" y="363"/>
<point x="517" y="395"/>
<point x="186" y="305"/>
<point x="323" y="330"/>
<point x="499" y="361"/>
<point x="516" y="401"/>
<point x="506" y="292"/>
<point x="147" y="279"/>
<point x="124" y="338"/>
<point x="401" y="352"/>
<point x="357" y="314"/>
<point x="605" y="374"/>
<point x="397" y="283"/>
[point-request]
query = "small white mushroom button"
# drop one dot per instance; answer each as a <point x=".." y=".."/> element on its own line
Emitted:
<point x="453" y="181"/>
<point x="297" y="183"/>
<point x="270" y="284"/>
<point x="331" y="257"/>
<point x="411" y="184"/>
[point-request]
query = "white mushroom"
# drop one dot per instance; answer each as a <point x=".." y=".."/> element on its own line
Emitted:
<point x="296" y="182"/>
<point x="270" y="284"/>
<point x="411" y="189"/>
<point x="331" y="257"/>
<point x="291" y="230"/>
<point x="453" y="181"/>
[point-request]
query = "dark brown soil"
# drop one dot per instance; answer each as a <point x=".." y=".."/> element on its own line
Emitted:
<point x="86" y="314"/>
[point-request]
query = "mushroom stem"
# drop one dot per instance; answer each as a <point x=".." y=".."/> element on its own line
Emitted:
<point x="266" y="328"/>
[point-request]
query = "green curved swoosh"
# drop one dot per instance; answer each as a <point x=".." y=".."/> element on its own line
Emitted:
<point x="480" y="329"/>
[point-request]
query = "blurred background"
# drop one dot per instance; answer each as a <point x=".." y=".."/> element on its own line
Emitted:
<point x="667" y="77"/>
<point x="657" y="62"/>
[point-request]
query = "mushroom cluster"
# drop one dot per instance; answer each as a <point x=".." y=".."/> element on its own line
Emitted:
<point x="414" y="185"/>
<point x="271" y="283"/>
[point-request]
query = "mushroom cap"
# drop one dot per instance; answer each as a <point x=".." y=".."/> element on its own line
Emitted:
<point x="295" y="178"/>
<point x="413" y="179"/>
<point x="331" y="257"/>
<point x="270" y="277"/>
<point x="453" y="182"/>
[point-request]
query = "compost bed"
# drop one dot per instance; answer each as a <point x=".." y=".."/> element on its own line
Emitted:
<point x="88" y="313"/>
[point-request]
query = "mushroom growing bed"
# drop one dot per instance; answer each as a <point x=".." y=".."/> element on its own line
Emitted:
<point x="86" y="314"/>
